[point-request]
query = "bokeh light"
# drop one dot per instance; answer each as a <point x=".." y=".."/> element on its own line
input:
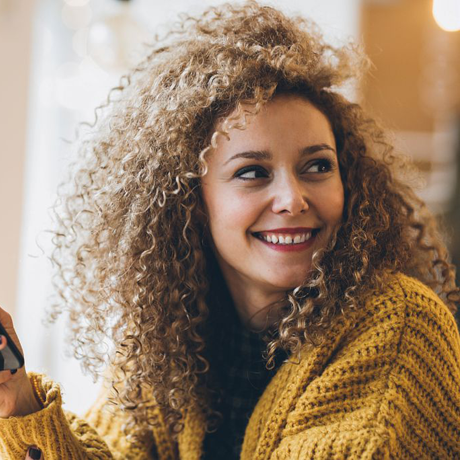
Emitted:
<point x="447" y="14"/>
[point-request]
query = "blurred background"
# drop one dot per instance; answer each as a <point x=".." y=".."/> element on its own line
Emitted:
<point x="59" y="58"/>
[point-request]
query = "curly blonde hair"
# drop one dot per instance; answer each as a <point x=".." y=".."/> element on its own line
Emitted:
<point x="133" y="266"/>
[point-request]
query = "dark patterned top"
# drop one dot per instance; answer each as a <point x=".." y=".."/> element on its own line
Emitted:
<point x="242" y="376"/>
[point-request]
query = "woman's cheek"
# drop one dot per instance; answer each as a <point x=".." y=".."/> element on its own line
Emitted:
<point x="247" y="210"/>
<point x="227" y="213"/>
<point x="332" y="203"/>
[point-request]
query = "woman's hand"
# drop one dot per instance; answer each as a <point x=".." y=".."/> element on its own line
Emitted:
<point x="16" y="393"/>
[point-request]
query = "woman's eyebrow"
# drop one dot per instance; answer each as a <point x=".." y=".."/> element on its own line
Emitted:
<point x="316" y="148"/>
<point x="265" y="155"/>
<point x="252" y="154"/>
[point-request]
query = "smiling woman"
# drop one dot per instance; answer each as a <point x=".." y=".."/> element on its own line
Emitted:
<point x="271" y="288"/>
<point x="273" y="196"/>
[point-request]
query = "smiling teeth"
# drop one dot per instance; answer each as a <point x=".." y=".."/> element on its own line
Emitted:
<point x="287" y="239"/>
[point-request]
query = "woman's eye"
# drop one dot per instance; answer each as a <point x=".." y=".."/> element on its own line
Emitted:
<point x="321" y="166"/>
<point x="251" y="172"/>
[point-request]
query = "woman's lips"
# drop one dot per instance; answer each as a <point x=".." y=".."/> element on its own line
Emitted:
<point x="290" y="230"/>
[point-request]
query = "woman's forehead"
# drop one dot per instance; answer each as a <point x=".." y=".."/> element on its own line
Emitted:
<point x="284" y="115"/>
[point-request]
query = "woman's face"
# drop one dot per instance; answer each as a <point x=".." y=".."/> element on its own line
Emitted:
<point x="273" y="195"/>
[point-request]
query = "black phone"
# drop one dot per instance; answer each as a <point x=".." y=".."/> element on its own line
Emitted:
<point x="10" y="357"/>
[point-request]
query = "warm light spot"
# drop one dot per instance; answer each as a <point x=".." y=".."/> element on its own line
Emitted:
<point x="447" y="14"/>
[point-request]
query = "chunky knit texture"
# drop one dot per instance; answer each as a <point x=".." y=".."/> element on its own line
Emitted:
<point x="386" y="385"/>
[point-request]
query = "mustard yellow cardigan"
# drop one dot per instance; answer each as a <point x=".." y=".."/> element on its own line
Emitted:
<point x="387" y="386"/>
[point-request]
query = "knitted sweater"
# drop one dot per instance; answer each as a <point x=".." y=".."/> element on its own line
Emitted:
<point x="386" y="385"/>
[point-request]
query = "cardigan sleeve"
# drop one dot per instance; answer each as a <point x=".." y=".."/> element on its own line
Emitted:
<point x="391" y="391"/>
<point x="61" y="434"/>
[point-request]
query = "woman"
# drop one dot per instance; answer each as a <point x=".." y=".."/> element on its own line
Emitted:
<point x="235" y="230"/>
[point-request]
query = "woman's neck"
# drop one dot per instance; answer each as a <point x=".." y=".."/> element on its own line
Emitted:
<point x="256" y="308"/>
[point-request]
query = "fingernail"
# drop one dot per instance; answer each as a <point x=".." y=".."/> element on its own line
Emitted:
<point x="35" y="453"/>
<point x="13" y="371"/>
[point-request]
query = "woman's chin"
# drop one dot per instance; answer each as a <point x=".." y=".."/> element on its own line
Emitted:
<point x="287" y="284"/>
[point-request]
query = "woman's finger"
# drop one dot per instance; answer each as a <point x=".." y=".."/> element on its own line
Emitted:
<point x="34" y="453"/>
<point x="5" y="319"/>
<point x="3" y="341"/>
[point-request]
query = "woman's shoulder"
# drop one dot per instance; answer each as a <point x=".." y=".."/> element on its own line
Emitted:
<point x="404" y="294"/>
<point x="404" y="313"/>
<point x="401" y="286"/>
<point x="410" y="288"/>
<point x="388" y="380"/>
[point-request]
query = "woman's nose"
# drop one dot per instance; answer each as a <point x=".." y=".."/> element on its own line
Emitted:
<point x="289" y="197"/>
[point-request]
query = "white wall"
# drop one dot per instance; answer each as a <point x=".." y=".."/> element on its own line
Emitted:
<point x="15" y="43"/>
<point x="47" y="155"/>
